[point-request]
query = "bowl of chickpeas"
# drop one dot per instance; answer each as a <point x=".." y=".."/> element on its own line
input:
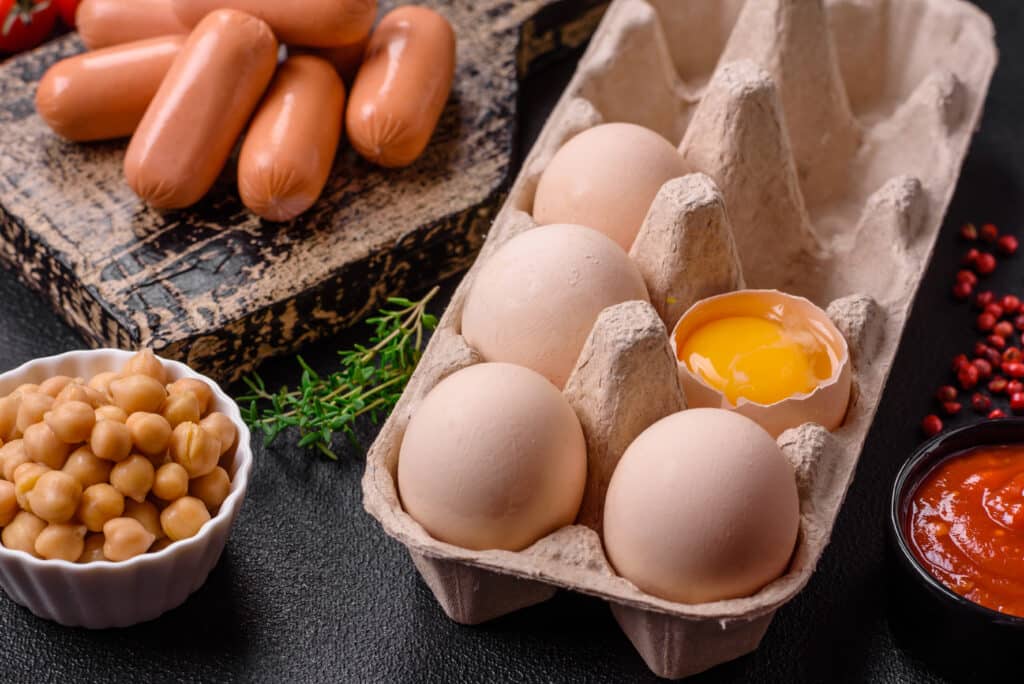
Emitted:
<point x="121" y="475"/>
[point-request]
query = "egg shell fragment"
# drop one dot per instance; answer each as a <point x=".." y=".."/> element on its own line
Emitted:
<point x="825" y="405"/>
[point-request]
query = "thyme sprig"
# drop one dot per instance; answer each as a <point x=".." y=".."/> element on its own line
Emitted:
<point x="369" y="383"/>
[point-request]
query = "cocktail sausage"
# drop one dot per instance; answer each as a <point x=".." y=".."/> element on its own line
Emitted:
<point x="289" y="149"/>
<point x="402" y="86"/>
<point x="199" y="111"/>
<point x="315" y="23"/>
<point x="103" y="94"/>
<point x="345" y="58"/>
<point x="111" y="22"/>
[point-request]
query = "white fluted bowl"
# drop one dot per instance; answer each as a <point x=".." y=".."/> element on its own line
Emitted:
<point x="102" y="594"/>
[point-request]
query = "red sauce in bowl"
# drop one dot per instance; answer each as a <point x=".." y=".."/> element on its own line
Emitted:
<point x="966" y="526"/>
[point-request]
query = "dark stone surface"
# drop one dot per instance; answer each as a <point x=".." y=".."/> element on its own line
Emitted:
<point x="310" y="588"/>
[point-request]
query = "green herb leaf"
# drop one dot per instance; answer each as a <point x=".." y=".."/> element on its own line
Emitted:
<point x="370" y="381"/>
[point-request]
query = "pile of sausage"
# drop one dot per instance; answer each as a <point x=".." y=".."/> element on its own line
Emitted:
<point x="185" y="78"/>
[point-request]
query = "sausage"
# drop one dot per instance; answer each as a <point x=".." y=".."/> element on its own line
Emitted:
<point x="345" y="58"/>
<point x="402" y="86"/>
<point x="199" y="111"/>
<point x="313" y="23"/>
<point x="111" y="22"/>
<point x="103" y="94"/>
<point x="289" y="149"/>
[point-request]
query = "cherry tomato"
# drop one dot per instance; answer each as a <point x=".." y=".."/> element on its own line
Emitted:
<point x="25" y="23"/>
<point x="67" y="9"/>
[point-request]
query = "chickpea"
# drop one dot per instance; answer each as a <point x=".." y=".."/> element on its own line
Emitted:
<point x="33" y="407"/>
<point x="53" y="386"/>
<point x="184" y="518"/>
<point x="136" y="393"/>
<point x="111" y="412"/>
<point x="221" y="427"/>
<point x="26" y="476"/>
<point x="160" y="544"/>
<point x="150" y="432"/>
<point x="101" y="382"/>
<point x="181" y="408"/>
<point x="61" y="541"/>
<point x="170" y="482"/>
<point x="145" y="362"/>
<point x="92" y="550"/>
<point x="79" y="392"/>
<point x="133" y="477"/>
<point x="111" y="440"/>
<point x="211" y="489"/>
<point x="21" y="533"/>
<point x="159" y="460"/>
<point x="73" y="391"/>
<point x="9" y="416"/>
<point x="147" y="514"/>
<point x="13" y="455"/>
<point x="42" y="446"/>
<point x="4" y="453"/>
<point x="227" y="461"/>
<point x="25" y="388"/>
<point x="100" y="503"/>
<point x="197" y="387"/>
<point x="195" y="449"/>
<point x="8" y="503"/>
<point x="125" y="539"/>
<point x="55" y="497"/>
<point x="86" y="467"/>
<point x="71" y="421"/>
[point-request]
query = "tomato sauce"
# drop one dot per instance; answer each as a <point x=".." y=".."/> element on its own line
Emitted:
<point x="966" y="526"/>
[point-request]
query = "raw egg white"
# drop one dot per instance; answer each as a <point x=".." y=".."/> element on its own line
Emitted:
<point x="702" y="507"/>
<point x="493" y="458"/>
<point x="606" y="178"/>
<point x="802" y="376"/>
<point x="534" y="302"/>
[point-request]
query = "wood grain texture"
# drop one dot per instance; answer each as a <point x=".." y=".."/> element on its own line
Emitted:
<point x="221" y="289"/>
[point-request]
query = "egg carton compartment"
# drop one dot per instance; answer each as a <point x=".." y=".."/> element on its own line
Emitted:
<point x="825" y="140"/>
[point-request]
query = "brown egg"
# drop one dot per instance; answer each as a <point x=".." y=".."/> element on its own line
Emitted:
<point x="534" y="302"/>
<point x="607" y="177"/>
<point x="701" y="507"/>
<point x="493" y="458"/>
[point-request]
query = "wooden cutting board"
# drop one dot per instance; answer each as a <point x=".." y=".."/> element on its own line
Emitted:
<point x="221" y="289"/>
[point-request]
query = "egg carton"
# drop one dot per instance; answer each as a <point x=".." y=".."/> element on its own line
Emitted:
<point x="825" y="140"/>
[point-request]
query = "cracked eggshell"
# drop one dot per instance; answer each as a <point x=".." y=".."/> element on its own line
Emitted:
<point x="606" y="178"/>
<point x="493" y="458"/>
<point x="534" y="302"/>
<point x="703" y="506"/>
<point x="825" y="405"/>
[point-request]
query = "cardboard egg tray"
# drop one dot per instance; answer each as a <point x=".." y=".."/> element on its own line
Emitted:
<point x="825" y="141"/>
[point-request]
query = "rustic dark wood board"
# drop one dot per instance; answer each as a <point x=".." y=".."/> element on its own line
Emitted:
<point x="221" y="289"/>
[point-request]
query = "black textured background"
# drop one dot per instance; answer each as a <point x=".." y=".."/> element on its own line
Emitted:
<point x="310" y="589"/>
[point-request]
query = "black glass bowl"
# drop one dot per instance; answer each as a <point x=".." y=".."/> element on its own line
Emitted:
<point x="940" y="622"/>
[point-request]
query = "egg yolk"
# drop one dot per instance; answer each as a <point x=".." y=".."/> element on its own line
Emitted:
<point x="756" y="358"/>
